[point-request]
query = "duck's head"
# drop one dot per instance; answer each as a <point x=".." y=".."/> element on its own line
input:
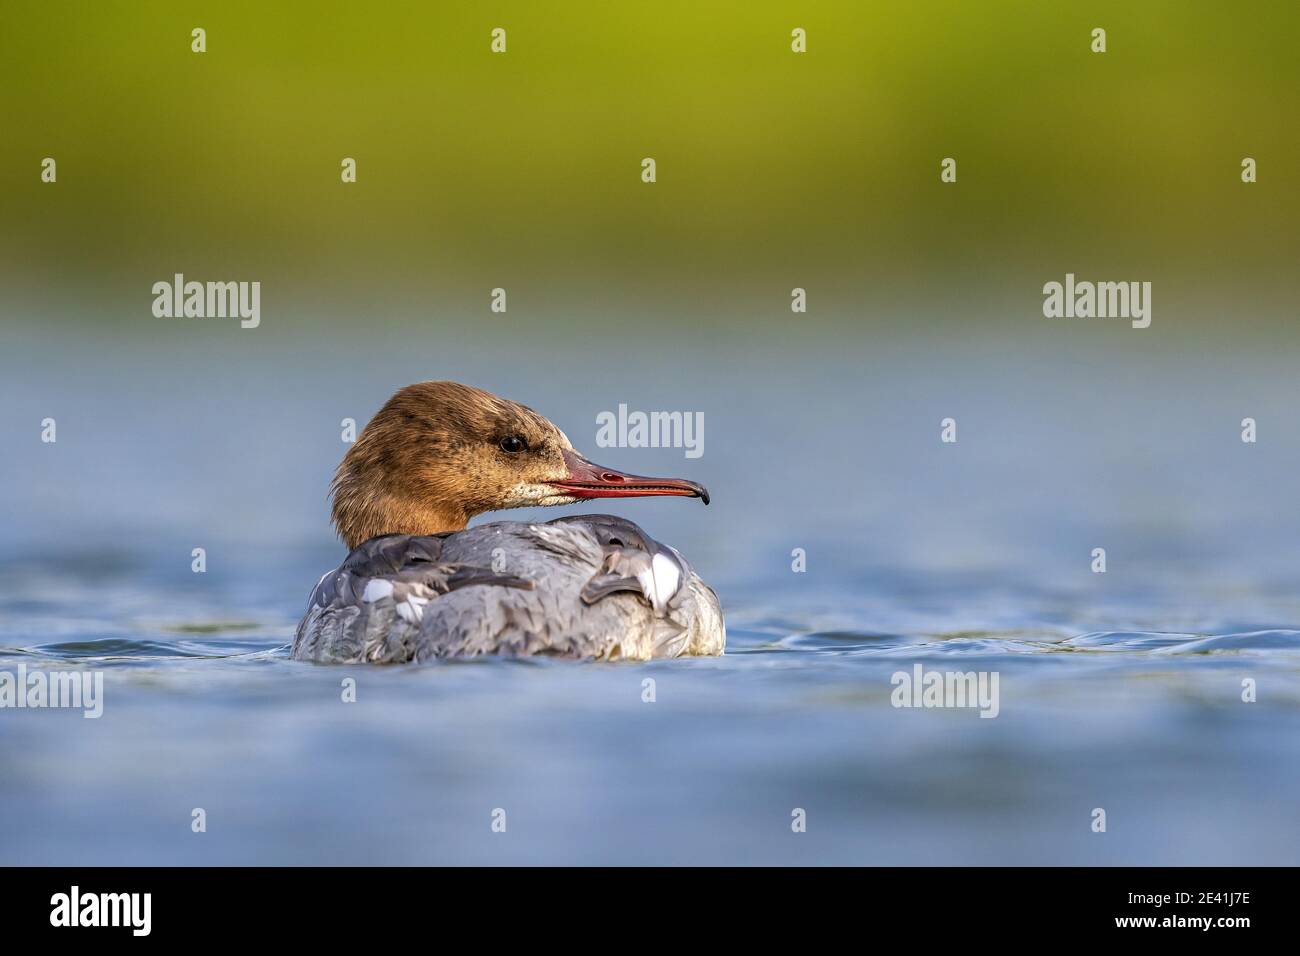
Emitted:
<point x="439" y="453"/>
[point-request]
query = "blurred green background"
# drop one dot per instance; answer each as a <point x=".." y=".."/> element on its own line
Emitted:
<point x="775" y="170"/>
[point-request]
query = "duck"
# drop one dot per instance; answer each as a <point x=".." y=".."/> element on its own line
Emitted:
<point x="420" y="584"/>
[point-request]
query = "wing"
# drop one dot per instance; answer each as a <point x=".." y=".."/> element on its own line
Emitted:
<point x="370" y="607"/>
<point x="604" y="590"/>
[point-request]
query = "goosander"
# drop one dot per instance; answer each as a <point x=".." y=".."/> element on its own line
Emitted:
<point x="418" y="584"/>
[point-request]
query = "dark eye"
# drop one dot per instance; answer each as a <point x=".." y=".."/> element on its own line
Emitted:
<point x="513" y="445"/>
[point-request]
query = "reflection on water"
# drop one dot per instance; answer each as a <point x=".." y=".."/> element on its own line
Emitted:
<point x="1121" y="691"/>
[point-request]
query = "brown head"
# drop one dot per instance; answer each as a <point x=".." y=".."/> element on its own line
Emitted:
<point x="439" y="453"/>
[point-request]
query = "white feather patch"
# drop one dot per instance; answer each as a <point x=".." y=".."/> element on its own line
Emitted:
<point x="660" y="581"/>
<point x="376" y="590"/>
<point x="412" y="609"/>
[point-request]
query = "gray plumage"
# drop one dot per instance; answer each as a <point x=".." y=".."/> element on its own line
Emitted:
<point x="590" y="586"/>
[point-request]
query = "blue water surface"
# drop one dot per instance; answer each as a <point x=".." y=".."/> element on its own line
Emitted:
<point x="1121" y="691"/>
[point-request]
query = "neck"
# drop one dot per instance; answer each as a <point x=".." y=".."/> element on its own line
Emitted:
<point x="360" y="519"/>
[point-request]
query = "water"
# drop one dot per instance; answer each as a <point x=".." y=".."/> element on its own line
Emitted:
<point x="1120" y="691"/>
